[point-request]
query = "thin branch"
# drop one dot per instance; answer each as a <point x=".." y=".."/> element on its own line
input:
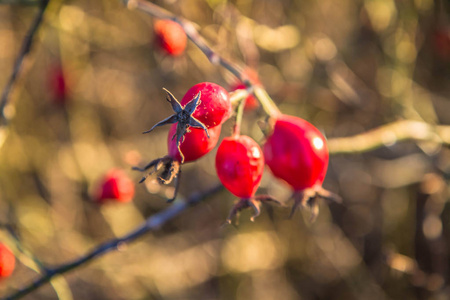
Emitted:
<point x="189" y="28"/>
<point x="25" y="49"/>
<point x="388" y="135"/>
<point x="152" y="223"/>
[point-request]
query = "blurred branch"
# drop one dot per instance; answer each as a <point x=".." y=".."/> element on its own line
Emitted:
<point x="25" y="49"/>
<point x="151" y="224"/>
<point x="32" y="262"/>
<point x="389" y="134"/>
<point x="189" y="28"/>
<point x="19" y="2"/>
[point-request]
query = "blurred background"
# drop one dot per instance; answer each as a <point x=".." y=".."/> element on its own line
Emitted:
<point x="93" y="82"/>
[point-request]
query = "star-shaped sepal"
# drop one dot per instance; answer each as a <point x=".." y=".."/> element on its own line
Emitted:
<point x="254" y="203"/>
<point x="183" y="116"/>
<point x="308" y="198"/>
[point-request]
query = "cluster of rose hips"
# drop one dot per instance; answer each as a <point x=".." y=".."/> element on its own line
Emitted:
<point x="294" y="150"/>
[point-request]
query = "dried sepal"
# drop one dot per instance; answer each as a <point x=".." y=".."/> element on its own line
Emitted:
<point x="254" y="203"/>
<point x="166" y="169"/>
<point x="308" y="198"/>
<point x="182" y="116"/>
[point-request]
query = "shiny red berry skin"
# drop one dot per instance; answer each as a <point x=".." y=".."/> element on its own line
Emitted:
<point x="215" y="104"/>
<point x="297" y="152"/>
<point x="194" y="144"/>
<point x="115" y="186"/>
<point x="170" y="36"/>
<point x="7" y="261"/>
<point x="240" y="165"/>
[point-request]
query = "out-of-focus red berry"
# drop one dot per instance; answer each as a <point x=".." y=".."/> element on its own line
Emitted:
<point x="297" y="152"/>
<point x="214" y="107"/>
<point x="194" y="144"/>
<point x="7" y="261"/>
<point x="441" y="38"/>
<point x="115" y="186"/>
<point x="57" y="85"/>
<point x="170" y="36"/>
<point x="251" y="102"/>
<point x="240" y="165"/>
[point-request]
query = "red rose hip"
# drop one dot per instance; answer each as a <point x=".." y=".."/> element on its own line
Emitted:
<point x="194" y="144"/>
<point x="214" y="107"/>
<point x="250" y="102"/>
<point x="115" y="186"/>
<point x="297" y="153"/>
<point x="240" y="165"/>
<point x="170" y="36"/>
<point x="7" y="261"/>
<point x="205" y="105"/>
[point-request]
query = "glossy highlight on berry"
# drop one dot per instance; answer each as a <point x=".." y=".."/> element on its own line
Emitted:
<point x="239" y="166"/>
<point x="215" y="105"/>
<point x="296" y="152"/>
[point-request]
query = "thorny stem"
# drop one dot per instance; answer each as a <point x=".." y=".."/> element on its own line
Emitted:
<point x="152" y="223"/>
<point x="24" y="50"/>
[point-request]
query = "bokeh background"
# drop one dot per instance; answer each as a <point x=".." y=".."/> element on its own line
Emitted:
<point x="93" y="82"/>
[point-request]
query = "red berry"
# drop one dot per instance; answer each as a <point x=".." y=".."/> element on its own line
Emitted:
<point x="7" y="261"/>
<point x="250" y="102"/>
<point x="194" y="144"/>
<point x="214" y="107"/>
<point x="441" y="38"/>
<point x="240" y="165"/>
<point x="116" y="186"/>
<point x="297" y="152"/>
<point x="57" y="85"/>
<point x="170" y="36"/>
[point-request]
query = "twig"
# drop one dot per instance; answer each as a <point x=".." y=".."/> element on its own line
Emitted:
<point x="151" y="224"/>
<point x="389" y="134"/>
<point x="25" y="49"/>
<point x="158" y="12"/>
<point x="188" y="27"/>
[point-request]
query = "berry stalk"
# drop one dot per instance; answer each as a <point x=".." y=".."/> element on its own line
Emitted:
<point x="266" y="102"/>
<point x="239" y="114"/>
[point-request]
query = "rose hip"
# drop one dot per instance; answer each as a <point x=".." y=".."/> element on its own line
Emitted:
<point x="297" y="153"/>
<point x="170" y="36"/>
<point x="7" y="261"/>
<point x="240" y="165"/>
<point x="115" y="186"/>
